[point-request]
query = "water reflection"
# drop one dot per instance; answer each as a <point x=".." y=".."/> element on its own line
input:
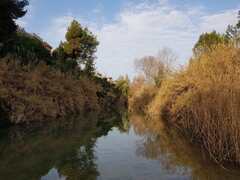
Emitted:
<point x="59" y="151"/>
<point x="103" y="148"/>
<point x="175" y="153"/>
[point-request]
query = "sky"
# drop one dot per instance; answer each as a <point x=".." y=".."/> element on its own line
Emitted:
<point x="131" y="29"/>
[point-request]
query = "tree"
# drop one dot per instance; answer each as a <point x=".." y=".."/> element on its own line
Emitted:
<point x="81" y="46"/>
<point x="122" y="83"/>
<point x="10" y="11"/>
<point x="59" y="53"/>
<point x="156" y="68"/>
<point x="207" y="42"/>
<point x="233" y="32"/>
<point x="61" y="61"/>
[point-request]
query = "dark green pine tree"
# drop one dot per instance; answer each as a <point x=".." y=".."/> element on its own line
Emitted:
<point x="10" y="11"/>
<point x="81" y="45"/>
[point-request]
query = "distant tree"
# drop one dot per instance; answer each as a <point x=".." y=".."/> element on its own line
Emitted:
<point x="10" y="11"/>
<point x="81" y="46"/>
<point x="148" y="66"/>
<point x="156" y="68"/>
<point x="122" y="83"/>
<point x="208" y="41"/>
<point x="233" y="32"/>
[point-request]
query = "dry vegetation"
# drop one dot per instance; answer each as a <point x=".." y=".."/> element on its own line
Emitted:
<point x="203" y="102"/>
<point x="139" y="101"/>
<point x="153" y="70"/>
<point x="41" y="93"/>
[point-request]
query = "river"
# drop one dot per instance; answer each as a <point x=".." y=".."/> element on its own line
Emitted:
<point x="104" y="148"/>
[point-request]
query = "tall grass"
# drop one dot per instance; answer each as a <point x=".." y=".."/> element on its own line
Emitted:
<point x="203" y="101"/>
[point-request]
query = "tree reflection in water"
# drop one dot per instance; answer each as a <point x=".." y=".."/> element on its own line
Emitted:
<point x="175" y="153"/>
<point x="65" y="148"/>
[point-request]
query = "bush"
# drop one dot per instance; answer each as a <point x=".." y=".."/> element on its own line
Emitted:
<point x="43" y="93"/>
<point x="27" y="48"/>
<point x="141" y="98"/>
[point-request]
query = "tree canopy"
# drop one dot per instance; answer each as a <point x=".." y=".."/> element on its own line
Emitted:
<point x="10" y="11"/>
<point x="81" y="46"/>
<point x="155" y="68"/>
<point x="122" y="83"/>
<point x="208" y="41"/>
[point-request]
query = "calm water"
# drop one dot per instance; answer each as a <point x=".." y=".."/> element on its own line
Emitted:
<point x="93" y="148"/>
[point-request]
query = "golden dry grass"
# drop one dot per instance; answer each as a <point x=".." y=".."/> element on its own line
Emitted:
<point x="203" y="101"/>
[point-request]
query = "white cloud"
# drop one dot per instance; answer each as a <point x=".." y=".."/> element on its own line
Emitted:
<point x="21" y="23"/>
<point x="143" y="29"/>
<point x="57" y="29"/>
<point x="218" y="21"/>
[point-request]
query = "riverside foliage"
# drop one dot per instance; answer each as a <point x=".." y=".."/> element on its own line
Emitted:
<point x="40" y="84"/>
<point x="202" y="100"/>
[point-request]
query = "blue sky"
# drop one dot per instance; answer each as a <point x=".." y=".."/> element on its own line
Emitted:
<point x="130" y="29"/>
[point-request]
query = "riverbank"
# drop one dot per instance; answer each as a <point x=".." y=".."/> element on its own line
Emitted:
<point x="202" y="101"/>
<point x="41" y="93"/>
<point x="39" y="83"/>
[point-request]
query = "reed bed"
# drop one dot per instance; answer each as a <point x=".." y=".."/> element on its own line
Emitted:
<point x="203" y="102"/>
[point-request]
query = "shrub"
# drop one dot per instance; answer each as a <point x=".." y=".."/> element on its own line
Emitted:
<point x="43" y="93"/>
<point x="27" y="49"/>
<point x="141" y="98"/>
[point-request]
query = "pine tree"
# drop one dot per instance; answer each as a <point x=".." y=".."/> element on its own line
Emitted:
<point x="81" y="46"/>
<point x="10" y="11"/>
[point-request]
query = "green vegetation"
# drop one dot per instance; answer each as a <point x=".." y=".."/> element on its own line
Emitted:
<point x="81" y="45"/>
<point x="38" y="84"/>
<point x="202" y="99"/>
<point x="208" y="41"/>
<point x="122" y="83"/>
<point x="27" y="49"/>
<point x="77" y="54"/>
